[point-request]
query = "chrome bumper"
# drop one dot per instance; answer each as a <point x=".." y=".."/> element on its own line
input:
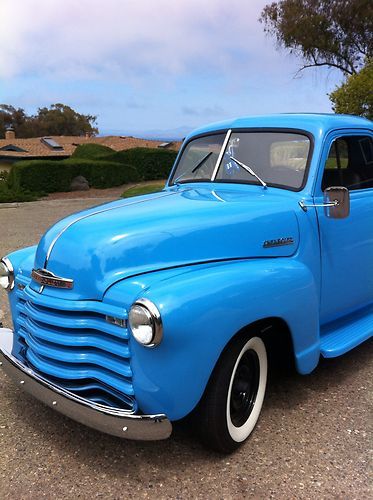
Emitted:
<point x="113" y="421"/>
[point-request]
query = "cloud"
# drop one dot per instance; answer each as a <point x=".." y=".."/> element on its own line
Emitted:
<point x="133" y="104"/>
<point x="131" y="40"/>
<point x="206" y="112"/>
<point x="150" y="64"/>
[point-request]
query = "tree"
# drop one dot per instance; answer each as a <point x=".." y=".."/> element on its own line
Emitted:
<point x="15" y="118"/>
<point x="334" y="33"/>
<point x="355" y="96"/>
<point x="58" y="119"/>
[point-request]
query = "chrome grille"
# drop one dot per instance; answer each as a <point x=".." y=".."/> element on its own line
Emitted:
<point x="72" y="344"/>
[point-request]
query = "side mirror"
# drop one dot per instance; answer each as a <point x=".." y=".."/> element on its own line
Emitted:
<point x="337" y="202"/>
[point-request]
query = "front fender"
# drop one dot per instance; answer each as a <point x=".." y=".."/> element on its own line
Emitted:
<point x="202" y="308"/>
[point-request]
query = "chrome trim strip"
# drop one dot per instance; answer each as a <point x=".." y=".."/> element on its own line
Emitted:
<point x="55" y="239"/>
<point x="114" y="421"/>
<point x="219" y="198"/>
<point x="223" y="148"/>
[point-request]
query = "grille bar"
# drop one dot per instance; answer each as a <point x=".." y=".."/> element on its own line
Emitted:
<point x="72" y="343"/>
<point x="84" y="372"/>
<point x="88" y="338"/>
<point x="73" y="355"/>
<point x="55" y="318"/>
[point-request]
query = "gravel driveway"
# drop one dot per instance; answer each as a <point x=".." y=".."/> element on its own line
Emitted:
<point x="312" y="440"/>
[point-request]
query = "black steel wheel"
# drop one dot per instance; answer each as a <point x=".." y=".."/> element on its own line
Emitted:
<point x="244" y="388"/>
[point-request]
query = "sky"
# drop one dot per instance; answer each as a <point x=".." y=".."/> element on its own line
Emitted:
<point x="152" y="66"/>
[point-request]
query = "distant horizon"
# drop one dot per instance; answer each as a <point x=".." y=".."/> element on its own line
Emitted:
<point x="176" y="134"/>
<point x="168" y="135"/>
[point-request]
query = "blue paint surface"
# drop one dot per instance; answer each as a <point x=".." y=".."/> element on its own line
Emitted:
<point x="197" y="251"/>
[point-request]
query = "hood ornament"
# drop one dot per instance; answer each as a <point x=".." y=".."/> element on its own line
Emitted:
<point x="47" y="278"/>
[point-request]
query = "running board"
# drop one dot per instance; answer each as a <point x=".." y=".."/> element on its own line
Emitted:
<point x="343" y="335"/>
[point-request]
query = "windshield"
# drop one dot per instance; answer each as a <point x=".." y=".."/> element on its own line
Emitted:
<point x="276" y="159"/>
<point x="202" y="153"/>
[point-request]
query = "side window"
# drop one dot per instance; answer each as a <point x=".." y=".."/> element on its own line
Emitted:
<point x="349" y="163"/>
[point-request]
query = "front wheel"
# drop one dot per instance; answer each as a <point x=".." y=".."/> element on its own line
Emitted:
<point x="234" y="397"/>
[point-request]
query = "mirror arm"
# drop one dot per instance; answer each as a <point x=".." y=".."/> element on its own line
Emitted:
<point x="304" y="207"/>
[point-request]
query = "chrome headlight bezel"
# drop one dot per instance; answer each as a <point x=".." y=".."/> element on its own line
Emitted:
<point x="8" y="273"/>
<point x="153" y="319"/>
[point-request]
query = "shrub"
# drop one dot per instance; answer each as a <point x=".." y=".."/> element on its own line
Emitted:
<point x="39" y="175"/>
<point x="51" y="176"/>
<point x="8" y="195"/>
<point x="102" y="173"/>
<point x="4" y="175"/>
<point x="91" y="151"/>
<point x="150" y="163"/>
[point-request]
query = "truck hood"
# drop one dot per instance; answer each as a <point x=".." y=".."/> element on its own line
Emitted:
<point x="103" y="245"/>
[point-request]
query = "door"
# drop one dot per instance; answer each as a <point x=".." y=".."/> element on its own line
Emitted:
<point x="347" y="244"/>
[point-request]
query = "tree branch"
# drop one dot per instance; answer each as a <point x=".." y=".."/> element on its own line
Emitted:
<point x="360" y="49"/>
<point x="333" y="65"/>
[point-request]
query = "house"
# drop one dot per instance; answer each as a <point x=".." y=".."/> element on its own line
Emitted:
<point x="13" y="149"/>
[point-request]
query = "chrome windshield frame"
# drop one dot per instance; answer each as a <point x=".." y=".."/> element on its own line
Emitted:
<point x="221" y="154"/>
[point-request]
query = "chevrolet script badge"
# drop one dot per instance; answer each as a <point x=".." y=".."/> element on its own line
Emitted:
<point x="278" y="243"/>
<point x="47" y="278"/>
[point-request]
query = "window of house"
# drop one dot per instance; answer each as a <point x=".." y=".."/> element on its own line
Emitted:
<point x="51" y="143"/>
<point x="14" y="149"/>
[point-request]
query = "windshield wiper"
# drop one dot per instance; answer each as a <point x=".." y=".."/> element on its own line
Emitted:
<point x="249" y="170"/>
<point x="195" y="168"/>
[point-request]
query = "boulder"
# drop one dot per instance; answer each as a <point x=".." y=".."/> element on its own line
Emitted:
<point x="79" y="183"/>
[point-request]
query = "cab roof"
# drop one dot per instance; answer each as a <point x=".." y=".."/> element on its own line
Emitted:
<point x="318" y="124"/>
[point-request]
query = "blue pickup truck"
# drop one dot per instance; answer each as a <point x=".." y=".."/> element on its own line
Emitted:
<point x="138" y="313"/>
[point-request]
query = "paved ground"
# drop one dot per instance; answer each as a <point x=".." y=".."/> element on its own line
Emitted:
<point x="312" y="441"/>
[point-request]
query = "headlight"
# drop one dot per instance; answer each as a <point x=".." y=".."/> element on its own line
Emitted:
<point x="145" y="323"/>
<point x="6" y="274"/>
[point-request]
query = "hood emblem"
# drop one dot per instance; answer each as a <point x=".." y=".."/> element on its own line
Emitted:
<point x="46" y="278"/>
<point x="280" y="242"/>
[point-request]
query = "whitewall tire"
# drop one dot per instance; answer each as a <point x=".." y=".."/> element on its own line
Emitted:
<point x="239" y="431"/>
<point x="233" y="399"/>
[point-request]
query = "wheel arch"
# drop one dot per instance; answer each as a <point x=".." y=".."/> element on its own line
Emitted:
<point x="277" y="337"/>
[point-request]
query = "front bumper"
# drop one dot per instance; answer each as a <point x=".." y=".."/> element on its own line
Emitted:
<point x="113" y="421"/>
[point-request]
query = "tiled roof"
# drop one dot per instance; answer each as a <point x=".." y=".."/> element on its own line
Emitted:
<point x="34" y="147"/>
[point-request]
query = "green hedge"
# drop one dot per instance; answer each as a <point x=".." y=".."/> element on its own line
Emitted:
<point x="50" y="176"/>
<point x="91" y="151"/>
<point x="106" y="170"/>
<point x="8" y="195"/>
<point x="150" y="163"/>
<point x="102" y="174"/>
